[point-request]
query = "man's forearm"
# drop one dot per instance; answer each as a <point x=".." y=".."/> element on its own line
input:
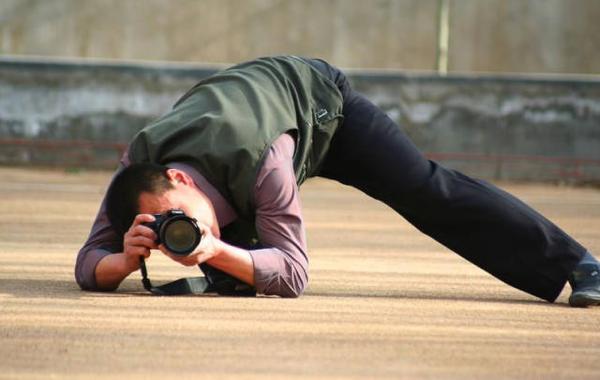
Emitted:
<point x="112" y="270"/>
<point x="234" y="261"/>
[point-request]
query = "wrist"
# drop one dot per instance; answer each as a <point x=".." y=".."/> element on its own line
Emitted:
<point x="130" y="264"/>
<point x="217" y="251"/>
<point x="234" y="261"/>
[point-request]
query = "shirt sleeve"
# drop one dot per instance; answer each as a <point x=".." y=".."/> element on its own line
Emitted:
<point x="281" y="268"/>
<point x="103" y="240"/>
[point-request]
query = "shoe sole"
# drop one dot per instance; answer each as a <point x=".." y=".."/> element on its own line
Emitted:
<point x="584" y="300"/>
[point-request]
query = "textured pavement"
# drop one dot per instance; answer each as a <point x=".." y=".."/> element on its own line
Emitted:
<point x="384" y="301"/>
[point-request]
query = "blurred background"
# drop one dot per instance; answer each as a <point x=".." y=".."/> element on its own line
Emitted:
<point x="503" y="89"/>
<point x="549" y="36"/>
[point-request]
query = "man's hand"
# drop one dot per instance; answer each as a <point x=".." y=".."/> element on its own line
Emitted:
<point x="138" y="241"/>
<point x="207" y="249"/>
<point x="233" y="260"/>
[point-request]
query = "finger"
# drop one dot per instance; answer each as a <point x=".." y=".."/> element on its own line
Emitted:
<point x="137" y="251"/>
<point x="205" y="244"/>
<point x="141" y="230"/>
<point x="183" y="260"/>
<point x="204" y="229"/>
<point x="142" y="218"/>
<point x="140" y="241"/>
<point x="189" y="261"/>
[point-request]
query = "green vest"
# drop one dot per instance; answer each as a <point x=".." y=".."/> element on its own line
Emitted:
<point x="226" y="123"/>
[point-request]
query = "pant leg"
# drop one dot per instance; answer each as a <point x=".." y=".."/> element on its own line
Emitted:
<point x="483" y="224"/>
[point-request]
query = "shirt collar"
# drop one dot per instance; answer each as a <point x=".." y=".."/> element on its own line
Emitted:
<point x="223" y="210"/>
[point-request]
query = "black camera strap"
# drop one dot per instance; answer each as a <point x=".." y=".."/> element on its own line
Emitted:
<point x="190" y="285"/>
<point x="214" y="281"/>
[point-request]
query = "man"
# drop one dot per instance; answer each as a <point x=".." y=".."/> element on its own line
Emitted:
<point x="233" y="151"/>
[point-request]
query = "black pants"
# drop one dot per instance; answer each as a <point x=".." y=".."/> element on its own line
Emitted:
<point x="485" y="225"/>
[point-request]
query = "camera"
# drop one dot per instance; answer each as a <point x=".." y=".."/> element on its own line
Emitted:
<point x="178" y="232"/>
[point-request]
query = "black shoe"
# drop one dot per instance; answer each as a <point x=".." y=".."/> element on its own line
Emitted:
<point x="585" y="281"/>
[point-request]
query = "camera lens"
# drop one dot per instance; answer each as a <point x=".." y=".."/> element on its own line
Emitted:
<point x="180" y="236"/>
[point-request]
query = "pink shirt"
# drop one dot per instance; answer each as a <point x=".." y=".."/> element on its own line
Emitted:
<point x="281" y="268"/>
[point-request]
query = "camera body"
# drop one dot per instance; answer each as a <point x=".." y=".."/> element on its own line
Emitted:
<point x="178" y="232"/>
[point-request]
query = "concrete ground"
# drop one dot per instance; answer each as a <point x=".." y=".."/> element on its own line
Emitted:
<point x="384" y="301"/>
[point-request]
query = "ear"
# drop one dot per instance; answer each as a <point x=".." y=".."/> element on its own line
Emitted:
<point x="178" y="176"/>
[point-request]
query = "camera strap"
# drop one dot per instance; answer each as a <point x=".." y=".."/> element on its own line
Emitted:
<point x="214" y="281"/>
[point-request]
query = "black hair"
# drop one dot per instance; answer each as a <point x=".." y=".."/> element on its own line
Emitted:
<point x="122" y="197"/>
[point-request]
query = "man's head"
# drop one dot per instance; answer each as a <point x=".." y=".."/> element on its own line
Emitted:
<point x="147" y="188"/>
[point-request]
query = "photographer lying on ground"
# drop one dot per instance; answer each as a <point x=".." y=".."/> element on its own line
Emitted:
<point x="233" y="151"/>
